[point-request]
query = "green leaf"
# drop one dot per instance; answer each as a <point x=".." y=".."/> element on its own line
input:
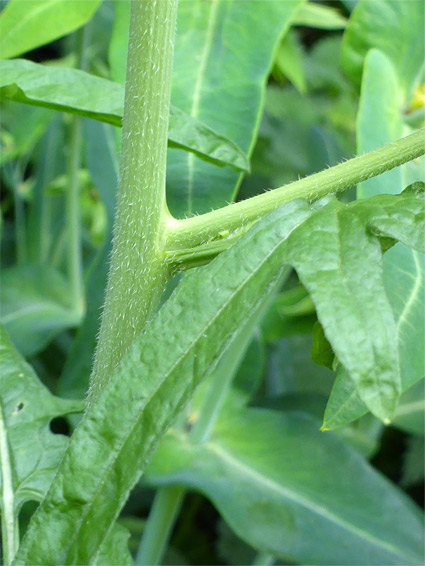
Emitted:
<point x="379" y="121"/>
<point x="321" y="350"/>
<point x="29" y="452"/>
<point x="114" y="550"/>
<point x="21" y="129"/>
<point x="357" y="319"/>
<point x="289" y="62"/>
<point x="318" y="16"/>
<point x="118" y="46"/>
<point x="179" y="347"/>
<point x="275" y="478"/>
<point x="223" y="54"/>
<point x="35" y="305"/>
<point x="71" y="90"/>
<point x="394" y="27"/>
<point x="27" y="24"/>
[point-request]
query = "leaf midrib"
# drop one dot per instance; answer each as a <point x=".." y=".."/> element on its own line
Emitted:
<point x="299" y="499"/>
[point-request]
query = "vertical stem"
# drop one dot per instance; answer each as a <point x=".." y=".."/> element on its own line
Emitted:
<point x="73" y="225"/>
<point x="162" y="517"/>
<point x="138" y="271"/>
<point x="20" y="232"/>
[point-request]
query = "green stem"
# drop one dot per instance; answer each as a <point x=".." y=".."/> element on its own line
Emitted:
<point x="20" y="232"/>
<point x="73" y="223"/>
<point x="197" y="230"/>
<point x="162" y="517"/>
<point x="138" y="272"/>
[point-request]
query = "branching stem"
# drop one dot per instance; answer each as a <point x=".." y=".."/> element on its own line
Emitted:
<point x="185" y="235"/>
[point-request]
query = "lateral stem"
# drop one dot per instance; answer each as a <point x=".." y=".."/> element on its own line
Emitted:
<point x="200" y="230"/>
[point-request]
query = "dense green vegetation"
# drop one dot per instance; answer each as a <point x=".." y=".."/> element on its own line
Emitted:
<point x="246" y="385"/>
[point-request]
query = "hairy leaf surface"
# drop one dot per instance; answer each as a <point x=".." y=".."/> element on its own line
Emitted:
<point x="275" y="477"/>
<point x="72" y="90"/>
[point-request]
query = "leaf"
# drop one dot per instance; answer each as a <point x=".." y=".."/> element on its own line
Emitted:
<point x="27" y="24"/>
<point x="114" y="549"/>
<point x="319" y="16"/>
<point x="321" y="350"/>
<point x="395" y="28"/>
<point x="118" y="46"/>
<point x="275" y="477"/>
<point x="179" y="347"/>
<point x="21" y="129"/>
<point x="379" y="121"/>
<point x="356" y="317"/>
<point x="29" y="452"/>
<point x="72" y="90"/>
<point x="223" y="55"/>
<point x="289" y="62"/>
<point x="35" y="305"/>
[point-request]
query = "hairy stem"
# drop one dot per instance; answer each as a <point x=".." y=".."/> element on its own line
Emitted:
<point x="138" y="272"/>
<point x="197" y="230"/>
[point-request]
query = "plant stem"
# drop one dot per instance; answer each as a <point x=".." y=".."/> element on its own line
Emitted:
<point x="197" y="230"/>
<point x="20" y="232"/>
<point x="73" y="226"/>
<point x="162" y="517"/>
<point x="138" y="272"/>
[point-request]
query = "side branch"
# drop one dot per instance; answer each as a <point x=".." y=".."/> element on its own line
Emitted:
<point x="185" y="238"/>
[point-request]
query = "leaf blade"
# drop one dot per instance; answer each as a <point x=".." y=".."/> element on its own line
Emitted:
<point x="256" y="468"/>
<point x="77" y="92"/>
<point x="30" y="24"/>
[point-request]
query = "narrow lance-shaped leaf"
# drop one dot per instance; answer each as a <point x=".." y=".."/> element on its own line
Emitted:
<point x="178" y="348"/>
<point x="339" y="261"/>
<point x="380" y="121"/>
<point x="275" y="477"/>
<point x="25" y="25"/>
<point x="113" y="443"/>
<point x="72" y="90"/>
<point x="224" y="52"/>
